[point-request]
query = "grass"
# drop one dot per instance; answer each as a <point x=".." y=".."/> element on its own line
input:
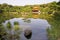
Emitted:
<point x="54" y="32"/>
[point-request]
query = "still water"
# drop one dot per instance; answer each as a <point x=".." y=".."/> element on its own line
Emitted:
<point x="38" y="27"/>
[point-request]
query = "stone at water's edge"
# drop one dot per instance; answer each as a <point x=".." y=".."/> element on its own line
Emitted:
<point x="28" y="33"/>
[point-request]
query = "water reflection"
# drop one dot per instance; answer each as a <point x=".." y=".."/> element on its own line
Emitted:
<point x="27" y="20"/>
<point x="35" y="16"/>
<point x="37" y="26"/>
<point x="13" y="32"/>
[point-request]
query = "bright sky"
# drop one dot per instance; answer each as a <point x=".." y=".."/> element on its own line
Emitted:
<point x="25" y="2"/>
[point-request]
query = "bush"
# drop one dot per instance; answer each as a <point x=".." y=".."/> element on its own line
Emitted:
<point x="16" y="23"/>
<point x="2" y="31"/>
<point x="1" y="11"/>
<point x="9" y="25"/>
<point x="56" y="15"/>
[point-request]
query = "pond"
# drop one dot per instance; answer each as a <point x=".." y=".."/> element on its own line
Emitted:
<point x="37" y="26"/>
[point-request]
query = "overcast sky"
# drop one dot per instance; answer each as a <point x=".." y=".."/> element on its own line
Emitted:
<point x="25" y="2"/>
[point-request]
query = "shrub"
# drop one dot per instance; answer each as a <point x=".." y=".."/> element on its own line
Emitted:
<point x="9" y="25"/>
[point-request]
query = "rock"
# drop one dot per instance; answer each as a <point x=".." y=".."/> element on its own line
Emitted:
<point x="28" y="33"/>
